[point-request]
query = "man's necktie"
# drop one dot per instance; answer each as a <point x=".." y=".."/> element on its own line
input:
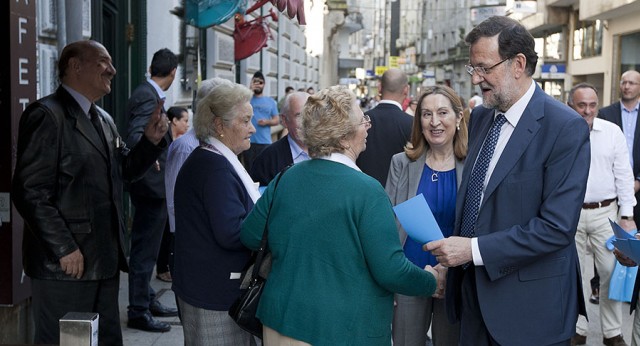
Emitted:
<point x="97" y="123"/>
<point x="476" y="181"/>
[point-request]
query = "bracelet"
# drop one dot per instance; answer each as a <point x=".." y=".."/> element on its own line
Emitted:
<point x="626" y="217"/>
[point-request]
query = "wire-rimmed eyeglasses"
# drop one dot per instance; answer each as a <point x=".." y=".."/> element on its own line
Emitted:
<point x="366" y="120"/>
<point x="481" y="70"/>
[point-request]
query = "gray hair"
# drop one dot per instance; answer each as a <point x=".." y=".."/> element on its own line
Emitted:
<point x="286" y="105"/>
<point x="221" y="102"/>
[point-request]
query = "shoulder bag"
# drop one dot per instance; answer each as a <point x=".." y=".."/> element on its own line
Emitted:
<point x="243" y="311"/>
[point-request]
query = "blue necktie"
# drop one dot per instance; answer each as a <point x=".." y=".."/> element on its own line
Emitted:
<point x="476" y="181"/>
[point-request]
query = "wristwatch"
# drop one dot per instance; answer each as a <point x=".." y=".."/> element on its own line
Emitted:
<point x="626" y="217"/>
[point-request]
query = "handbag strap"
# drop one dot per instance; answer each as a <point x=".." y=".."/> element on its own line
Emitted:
<point x="265" y="234"/>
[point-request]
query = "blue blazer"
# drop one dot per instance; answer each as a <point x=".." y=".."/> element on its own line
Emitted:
<point x="141" y="104"/>
<point x="529" y="289"/>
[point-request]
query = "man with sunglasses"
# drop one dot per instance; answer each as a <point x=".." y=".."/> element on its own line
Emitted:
<point x="513" y="275"/>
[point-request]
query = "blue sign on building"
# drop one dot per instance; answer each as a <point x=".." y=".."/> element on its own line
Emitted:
<point x="553" y="71"/>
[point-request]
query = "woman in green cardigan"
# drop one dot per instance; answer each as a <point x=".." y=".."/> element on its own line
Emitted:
<point x="337" y="260"/>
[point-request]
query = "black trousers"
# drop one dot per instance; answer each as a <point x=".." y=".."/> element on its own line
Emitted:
<point x="149" y="221"/>
<point x="165" y="255"/>
<point x="52" y="299"/>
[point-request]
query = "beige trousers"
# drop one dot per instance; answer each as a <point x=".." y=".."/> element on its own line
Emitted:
<point x="594" y="230"/>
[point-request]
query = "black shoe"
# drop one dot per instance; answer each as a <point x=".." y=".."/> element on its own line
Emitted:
<point x="160" y="310"/>
<point x="148" y="324"/>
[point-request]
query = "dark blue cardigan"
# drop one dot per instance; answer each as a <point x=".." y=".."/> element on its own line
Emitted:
<point x="211" y="203"/>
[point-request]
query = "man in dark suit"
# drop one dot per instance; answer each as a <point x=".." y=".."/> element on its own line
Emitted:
<point x="288" y="149"/>
<point x="623" y="113"/>
<point x="514" y="276"/>
<point x="148" y="198"/>
<point x="390" y="128"/>
<point x="67" y="186"/>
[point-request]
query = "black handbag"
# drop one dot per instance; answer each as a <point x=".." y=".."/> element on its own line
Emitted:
<point x="243" y="311"/>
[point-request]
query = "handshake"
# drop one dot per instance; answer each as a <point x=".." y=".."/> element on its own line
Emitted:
<point x="440" y="273"/>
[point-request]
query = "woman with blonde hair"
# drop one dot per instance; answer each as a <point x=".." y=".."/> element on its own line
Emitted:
<point x="336" y="256"/>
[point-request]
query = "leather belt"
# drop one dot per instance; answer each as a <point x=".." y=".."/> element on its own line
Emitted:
<point x="596" y="205"/>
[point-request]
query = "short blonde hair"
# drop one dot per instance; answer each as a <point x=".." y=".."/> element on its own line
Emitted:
<point x="327" y="119"/>
<point x="221" y="102"/>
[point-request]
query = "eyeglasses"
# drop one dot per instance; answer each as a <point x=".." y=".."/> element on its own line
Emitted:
<point x="482" y="71"/>
<point x="366" y="120"/>
<point x="625" y="82"/>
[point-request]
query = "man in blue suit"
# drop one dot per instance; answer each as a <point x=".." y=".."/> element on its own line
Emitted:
<point x="148" y="198"/>
<point x="514" y="276"/>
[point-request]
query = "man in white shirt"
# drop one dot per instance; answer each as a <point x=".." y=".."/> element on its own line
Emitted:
<point x="609" y="193"/>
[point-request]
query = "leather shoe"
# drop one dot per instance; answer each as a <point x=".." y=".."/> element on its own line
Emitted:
<point x="160" y="310"/>
<point x="617" y="340"/>
<point x="578" y="340"/>
<point x="595" y="296"/>
<point x="148" y="324"/>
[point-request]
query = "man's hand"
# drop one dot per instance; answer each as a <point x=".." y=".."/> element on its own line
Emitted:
<point x="452" y="251"/>
<point x="73" y="264"/>
<point x="627" y="225"/>
<point x="157" y="126"/>
<point x="624" y="260"/>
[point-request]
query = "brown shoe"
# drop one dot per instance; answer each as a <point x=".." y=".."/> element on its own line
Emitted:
<point x="166" y="277"/>
<point x="614" y="341"/>
<point x="578" y="340"/>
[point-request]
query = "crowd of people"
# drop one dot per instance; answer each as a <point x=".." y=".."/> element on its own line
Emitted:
<point x="519" y="184"/>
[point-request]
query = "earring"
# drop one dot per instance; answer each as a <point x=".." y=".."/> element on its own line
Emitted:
<point x="458" y="126"/>
<point x="221" y="135"/>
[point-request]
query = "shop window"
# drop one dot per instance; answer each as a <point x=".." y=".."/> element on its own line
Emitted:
<point x="587" y="39"/>
<point x="630" y="52"/>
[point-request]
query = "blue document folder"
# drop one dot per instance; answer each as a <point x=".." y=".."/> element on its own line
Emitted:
<point x="416" y="218"/>
<point x="626" y="242"/>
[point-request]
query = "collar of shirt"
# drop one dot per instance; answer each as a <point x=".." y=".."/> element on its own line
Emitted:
<point x="597" y="125"/>
<point x="341" y="158"/>
<point x="634" y="109"/>
<point x="84" y="102"/>
<point x="297" y="153"/>
<point x="391" y="102"/>
<point x="159" y="90"/>
<point x="514" y="113"/>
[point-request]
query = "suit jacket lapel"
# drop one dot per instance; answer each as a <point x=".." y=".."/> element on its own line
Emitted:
<point x="85" y="127"/>
<point x="415" y="173"/>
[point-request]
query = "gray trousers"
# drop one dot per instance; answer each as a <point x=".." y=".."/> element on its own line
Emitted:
<point x="414" y="315"/>
<point x="210" y="327"/>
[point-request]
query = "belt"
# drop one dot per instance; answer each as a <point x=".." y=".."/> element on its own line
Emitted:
<point x="596" y="205"/>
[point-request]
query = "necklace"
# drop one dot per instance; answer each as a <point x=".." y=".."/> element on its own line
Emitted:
<point x="434" y="174"/>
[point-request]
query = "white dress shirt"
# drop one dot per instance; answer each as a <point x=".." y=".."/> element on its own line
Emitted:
<point x="610" y="174"/>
